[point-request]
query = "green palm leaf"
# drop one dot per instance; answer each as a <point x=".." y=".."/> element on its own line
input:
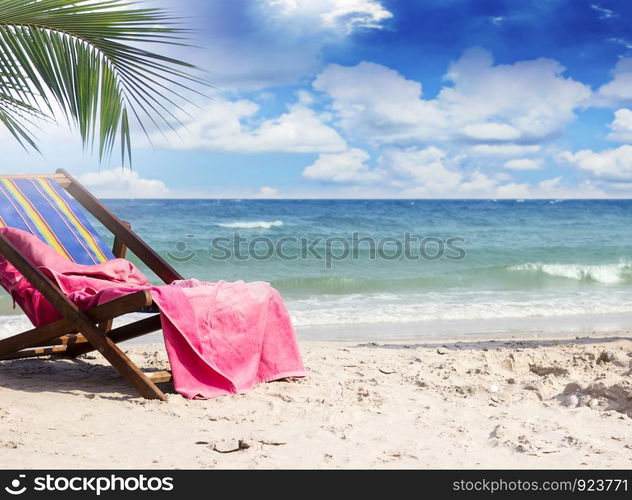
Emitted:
<point x="13" y="114"/>
<point x="88" y="57"/>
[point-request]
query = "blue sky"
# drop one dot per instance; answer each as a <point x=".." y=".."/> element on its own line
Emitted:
<point x="387" y="98"/>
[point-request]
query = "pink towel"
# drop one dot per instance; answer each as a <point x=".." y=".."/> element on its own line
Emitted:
<point x="221" y="338"/>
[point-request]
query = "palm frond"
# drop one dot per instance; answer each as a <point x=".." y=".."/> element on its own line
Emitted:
<point x="14" y="114"/>
<point x="89" y="57"/>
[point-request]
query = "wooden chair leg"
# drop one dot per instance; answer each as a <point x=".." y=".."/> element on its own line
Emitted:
<point x="106" y="326"/>
<point x="160" y="377"/>
<point x="108" y="348"/>
<point x="124" y="365"/>
<point x="34" y="353"/>
<point x="120" y="334"/>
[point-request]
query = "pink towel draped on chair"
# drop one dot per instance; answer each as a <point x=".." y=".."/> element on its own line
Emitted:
<point x="221" y="338"/>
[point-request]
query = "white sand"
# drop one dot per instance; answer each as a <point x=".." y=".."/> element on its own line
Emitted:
<point x="450" y="405"/>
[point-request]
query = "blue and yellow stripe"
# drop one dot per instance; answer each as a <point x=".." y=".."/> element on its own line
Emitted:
<point x="84" y="234"/>
<point x="38" y="222"/>
<point x="41" y="207"/>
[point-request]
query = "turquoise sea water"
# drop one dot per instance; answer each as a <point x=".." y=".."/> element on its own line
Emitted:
<point x="505" y="260"/>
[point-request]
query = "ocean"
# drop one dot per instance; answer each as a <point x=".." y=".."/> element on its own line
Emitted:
<point x="389" y="268"/>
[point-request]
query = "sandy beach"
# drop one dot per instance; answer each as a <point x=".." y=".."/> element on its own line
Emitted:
<point x="475" y="404"/>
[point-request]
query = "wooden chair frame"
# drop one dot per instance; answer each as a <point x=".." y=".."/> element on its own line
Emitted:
<point x="79" y="332"/>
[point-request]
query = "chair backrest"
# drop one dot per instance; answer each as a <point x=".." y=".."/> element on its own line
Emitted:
<point x="42" y="207"/>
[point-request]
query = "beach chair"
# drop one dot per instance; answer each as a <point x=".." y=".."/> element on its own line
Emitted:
<point x="48" y="207"/>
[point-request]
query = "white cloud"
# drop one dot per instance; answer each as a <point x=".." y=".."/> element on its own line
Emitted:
<point x="123" y="183"/>
<point x="612" y="165"/>
<point x="550" y="184"/>
<point x="504" y="150"/>
<point x="432" y="172"/>
<point x="531" y="96"/>
<point x="352" y="14"/>
<point x="343" y="16"/>
<point x="621" y="41"/>
<point x="491" y="132"/>
<point x="435" y="173"/>
<point x="430" y="169"/>
<point x="523" y="164"/>
<point x="618" y="91"/>
<point x="268" y="192"/>
<point x="477" y="184"/>
<point x="231" y="126"/>
<point x="514" y="190"/>
<point x="428" y="172"/>
<point x="526" y="101"/>
<point x="349" y="166"/>
<point x="603" y="12"/>
<point x="621" y="126"/>
<point x="305" y="98"/>
<point x="443" y="146"/>
<point x="377" y="104"/>
<point x="549" y="188"/>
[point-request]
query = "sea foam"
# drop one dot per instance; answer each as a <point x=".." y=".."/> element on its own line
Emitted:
<point x="359" y="309"/>
<point x="251" y="225"/>
<point x="620" y="272"/>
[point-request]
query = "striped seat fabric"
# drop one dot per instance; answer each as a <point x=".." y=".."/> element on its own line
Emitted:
<point x="42" y="207"/>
